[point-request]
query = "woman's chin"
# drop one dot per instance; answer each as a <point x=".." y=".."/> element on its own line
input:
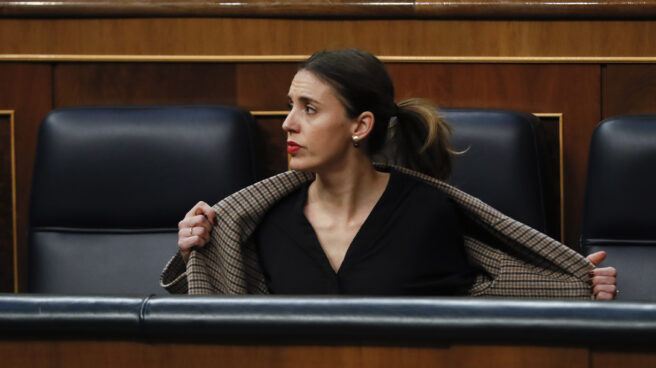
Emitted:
<point x="298" y="164"/>
<point x="295" y="164"/>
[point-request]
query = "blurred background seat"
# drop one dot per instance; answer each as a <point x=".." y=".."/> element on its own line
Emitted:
<point x="619" y="214"/>
<point x="500" y="163"/>
<point x="111" y="184"/>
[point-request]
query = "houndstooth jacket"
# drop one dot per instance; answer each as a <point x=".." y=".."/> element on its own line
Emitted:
<point x="527" y="264"/>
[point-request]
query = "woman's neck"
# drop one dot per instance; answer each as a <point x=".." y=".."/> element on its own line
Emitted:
<point x="349" y="189"/>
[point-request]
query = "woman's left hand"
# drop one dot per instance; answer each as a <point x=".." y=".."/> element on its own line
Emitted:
<point x="602" y="279"/>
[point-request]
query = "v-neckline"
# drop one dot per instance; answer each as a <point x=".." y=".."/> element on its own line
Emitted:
<point x="362" y="237"/>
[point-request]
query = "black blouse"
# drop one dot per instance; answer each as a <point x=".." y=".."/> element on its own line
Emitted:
<point x="411" y="244"/>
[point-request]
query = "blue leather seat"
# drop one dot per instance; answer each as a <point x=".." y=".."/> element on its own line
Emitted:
<point x="111" y="184"/>
<point x="619" y="214"/>
<point x="501" y="164"/>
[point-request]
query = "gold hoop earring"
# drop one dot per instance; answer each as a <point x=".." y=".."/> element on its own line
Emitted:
<point x="356" y="141"/>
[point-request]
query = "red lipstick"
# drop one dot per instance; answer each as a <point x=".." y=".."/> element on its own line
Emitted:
<point x="292" y="147"/>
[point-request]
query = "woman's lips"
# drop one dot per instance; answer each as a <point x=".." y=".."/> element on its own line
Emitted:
<point x="292" y="147"/>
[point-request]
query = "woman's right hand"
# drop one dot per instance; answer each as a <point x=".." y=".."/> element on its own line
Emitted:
<point x="194" y="230"/>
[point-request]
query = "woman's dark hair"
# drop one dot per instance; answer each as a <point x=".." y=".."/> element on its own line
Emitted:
<point x="416" y="137"/>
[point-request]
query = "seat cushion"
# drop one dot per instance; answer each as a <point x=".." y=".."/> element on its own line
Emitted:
<point x="500" y="163"/>
<point x="111" y="184"/>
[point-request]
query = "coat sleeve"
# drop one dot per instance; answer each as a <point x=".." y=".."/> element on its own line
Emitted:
<point x="174" y="276"/>
<point x="529" y="269"/>
<point x="517" y="260"/>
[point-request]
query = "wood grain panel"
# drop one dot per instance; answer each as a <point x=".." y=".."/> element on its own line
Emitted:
<point x="6" y="206"/>
<point x="569" y="89"/>
<point x="256" y="36"/>
<point x="264" y="86"/>
<point x="614" y="359"/>
<point x="121" y="83"/>
<point x="272" y="145"/>
<point x="629" y="89"/>
<point x="516" y="356"/>
<point x="72" y="354"/>
<point x="342" y="8"/>
<point x="252" y="87"/>
<point x="26" y="89"/>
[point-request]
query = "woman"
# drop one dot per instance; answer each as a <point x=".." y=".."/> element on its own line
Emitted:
<point x="338" y="224"/>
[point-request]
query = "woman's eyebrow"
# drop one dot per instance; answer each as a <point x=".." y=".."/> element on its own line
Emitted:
<point x="305" y="99"/>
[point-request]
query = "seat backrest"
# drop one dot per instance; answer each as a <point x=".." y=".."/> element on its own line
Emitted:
<point x="111" y="184"/>
<point x="619" y="213"/>
<point x="501" y="164"/>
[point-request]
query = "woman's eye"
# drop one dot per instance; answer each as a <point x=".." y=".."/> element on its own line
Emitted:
<point x="310" y="110"/>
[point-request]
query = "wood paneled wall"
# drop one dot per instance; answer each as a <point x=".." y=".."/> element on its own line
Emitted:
<point x="629" y="89"/>
<point x="134" y="354"/>
<point x="25" y="89"/>
<point x="575" y="67"/>
<point x="127" y="354"/>
<point x="456" y="39"/>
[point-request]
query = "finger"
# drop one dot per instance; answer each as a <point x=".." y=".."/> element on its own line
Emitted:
<point x="604" y="288"/>
<point x="188" y="232"/>
<point x="604" y="296"/>
<point x="183" y="232"/>
<point x="210" y="218"/>
<point x="201" y="231"/>
<point x="604" y="271"/>
<point x="603" y="280"/>
<point x="597" y="257"/>
<point x="198" y="220"/>
<point x="186" y="244"/>
<point x="194" y="221"/>
<point x="204" y="209"/>
<point x="205" y="224"/>
<point x="195" y="233"/>
<point x="194" y="210"/>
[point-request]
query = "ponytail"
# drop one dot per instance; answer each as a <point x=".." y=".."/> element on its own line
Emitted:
<point x="419" y="139"/>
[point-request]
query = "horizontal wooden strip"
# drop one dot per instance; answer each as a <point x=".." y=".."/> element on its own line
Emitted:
<point x="257" y="36"/>
<point x="299" y="58"/>
<point x="470" y="9"/>
<point x="270" y="113"/>
<point x="555" y="115"/>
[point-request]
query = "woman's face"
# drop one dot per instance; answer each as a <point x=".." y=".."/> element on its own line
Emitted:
<point x="318" y="129"/>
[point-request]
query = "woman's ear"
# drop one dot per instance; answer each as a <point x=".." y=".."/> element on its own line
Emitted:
<point x="363" y="125"/>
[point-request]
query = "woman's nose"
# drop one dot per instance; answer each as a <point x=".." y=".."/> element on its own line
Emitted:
<point x="289" y="125"/>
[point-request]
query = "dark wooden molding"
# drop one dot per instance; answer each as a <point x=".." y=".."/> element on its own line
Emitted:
<point x="361" y="9"/>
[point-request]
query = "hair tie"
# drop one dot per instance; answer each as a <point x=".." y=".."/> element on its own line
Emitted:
<point x="395" y="116"/>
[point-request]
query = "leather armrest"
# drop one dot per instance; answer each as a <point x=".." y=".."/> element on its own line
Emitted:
<point x="332" y="320"/>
